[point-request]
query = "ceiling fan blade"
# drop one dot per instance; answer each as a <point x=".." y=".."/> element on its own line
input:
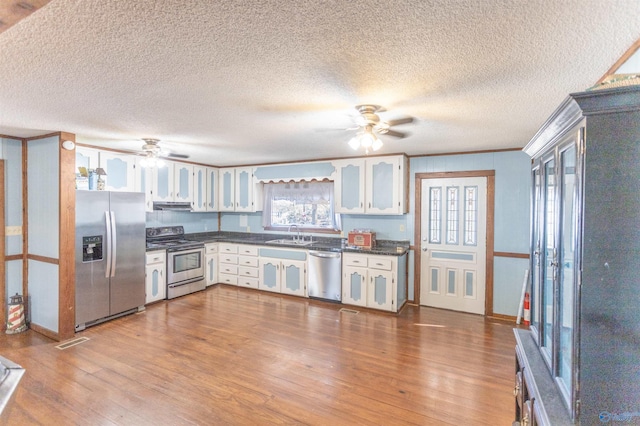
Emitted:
<point x="172" y="155"/>
<point x="399" y="121"/>
<point x="395" y="134"/>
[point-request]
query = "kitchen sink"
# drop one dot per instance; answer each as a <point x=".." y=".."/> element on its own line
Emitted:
<point x="287" y="241"/>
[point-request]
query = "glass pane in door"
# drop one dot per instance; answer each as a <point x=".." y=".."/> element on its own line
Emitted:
<point x="546" y="314"/>
<point x="566" y="277"/>
<point x="535" y="262"/>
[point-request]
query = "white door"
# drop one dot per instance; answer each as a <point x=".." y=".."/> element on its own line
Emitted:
<point x="453" y="243"/>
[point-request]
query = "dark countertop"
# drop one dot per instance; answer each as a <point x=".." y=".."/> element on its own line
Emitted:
<point x="383" y="247"/>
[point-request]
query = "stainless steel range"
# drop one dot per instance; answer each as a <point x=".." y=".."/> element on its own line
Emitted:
<point x="185" y="259"/>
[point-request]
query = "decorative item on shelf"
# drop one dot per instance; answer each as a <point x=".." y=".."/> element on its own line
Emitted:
<point x="15" y="320"/>
<point x="100" y="172"/>
<point x="82" y="178"/>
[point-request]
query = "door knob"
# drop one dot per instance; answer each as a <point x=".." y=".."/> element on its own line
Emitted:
<point x="424" y="249"/>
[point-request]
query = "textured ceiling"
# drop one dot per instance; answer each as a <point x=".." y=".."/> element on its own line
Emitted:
<point x="246" y="82"/>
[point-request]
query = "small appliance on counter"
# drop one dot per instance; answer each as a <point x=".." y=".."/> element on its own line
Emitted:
<point x="363" y="238"/>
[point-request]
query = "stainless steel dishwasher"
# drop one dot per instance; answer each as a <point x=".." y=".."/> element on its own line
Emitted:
<point x="325" y="275"/>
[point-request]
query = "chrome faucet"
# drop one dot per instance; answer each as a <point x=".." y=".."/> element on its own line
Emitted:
<point x="297" y="236"/>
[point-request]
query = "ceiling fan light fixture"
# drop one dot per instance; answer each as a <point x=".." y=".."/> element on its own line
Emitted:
<point x="151" y="159"/>
<point x="354" y="143"/>
<point x="151" y="154"/>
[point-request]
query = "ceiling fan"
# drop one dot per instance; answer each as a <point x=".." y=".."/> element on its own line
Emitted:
<point x="153" y="154"/>
<point x="370" y="125"/>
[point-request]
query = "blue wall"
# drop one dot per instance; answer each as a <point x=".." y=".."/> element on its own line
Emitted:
<point x="511" y="225"/>
<point x="11" y="153"/>
<point x="192" y="222"/>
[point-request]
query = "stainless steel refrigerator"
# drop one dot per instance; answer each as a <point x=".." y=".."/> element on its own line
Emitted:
<point x="110" y="255"/>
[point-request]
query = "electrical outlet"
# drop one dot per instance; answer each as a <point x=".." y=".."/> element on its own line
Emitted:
<point x="13" y="230"/>
<point x="248" y="229"/>
<point x="402" y="228"/>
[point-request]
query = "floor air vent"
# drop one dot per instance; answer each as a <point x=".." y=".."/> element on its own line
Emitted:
<point x="349" y="311"/>
<point x="72" y="342"/>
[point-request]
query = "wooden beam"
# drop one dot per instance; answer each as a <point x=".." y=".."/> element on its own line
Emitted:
<point x="67" y="228"/>
<point x="12" y="12"/>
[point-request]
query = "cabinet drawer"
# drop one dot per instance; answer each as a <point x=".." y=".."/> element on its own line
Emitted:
<point x="210" y="248"/>
<point x="248" y="261"/>
<point x="247" y="282"/>
<point x="248" y="272"/>
<point x="228" y="258"/>
<point x="228" y="279"/>
<point x="229" y="269"/>
<point x="355" y="261"/>
<point x="228" y="248"/>
<point x="156" y="257"/>
<point x="380" y="263"/>
<point x="248" y="250"/>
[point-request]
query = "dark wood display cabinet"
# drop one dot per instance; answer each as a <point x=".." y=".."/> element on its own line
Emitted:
<point x="579" y="363"/>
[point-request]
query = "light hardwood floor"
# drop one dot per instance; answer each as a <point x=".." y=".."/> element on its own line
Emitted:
<point x="230" y="356"/>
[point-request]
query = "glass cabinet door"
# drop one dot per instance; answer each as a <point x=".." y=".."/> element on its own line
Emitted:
<point x="548" y="271"/>
<point x="536" y="242"/>
<point x="555" y="262"/>
<point x="566" y="269"/>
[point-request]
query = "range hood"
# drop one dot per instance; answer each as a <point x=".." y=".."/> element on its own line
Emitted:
<point x="182" y="206"/>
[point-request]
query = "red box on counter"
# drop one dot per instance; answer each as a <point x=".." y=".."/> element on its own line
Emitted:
<point x="362" y="239"/>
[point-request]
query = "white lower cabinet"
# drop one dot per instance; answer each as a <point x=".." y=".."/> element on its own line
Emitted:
<point x="228" y="263"/>
<point x="211" y="263"/>
<point x="155" y="276"/>
<point x="238" y="265"/>
<point x="283" y="271"/>
<point x="373" y="281"/>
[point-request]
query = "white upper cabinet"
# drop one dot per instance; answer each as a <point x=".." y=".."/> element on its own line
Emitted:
<point x="349" y="186"/>
<point x="244" y="190"/>
<point x="199" y="200"/>
<point x="212" y="189"/>
<point x="143" y="183"/>
<point x="87" y="158"/>
<point x="227" y="192"/>
<point x="163" y="183"/>
<point x="120" y="171"/>
<point x="371" y="185"/>
<point x="183" y="182"/>
<point x="237" y="190"/>
<point x="385" y="185"/>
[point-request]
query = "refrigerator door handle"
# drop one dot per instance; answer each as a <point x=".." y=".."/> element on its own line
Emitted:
<point x="114" y="244"/>
<point x="107" y="216"/>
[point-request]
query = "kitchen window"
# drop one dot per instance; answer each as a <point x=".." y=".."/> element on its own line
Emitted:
<point x="308" y="205"/>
